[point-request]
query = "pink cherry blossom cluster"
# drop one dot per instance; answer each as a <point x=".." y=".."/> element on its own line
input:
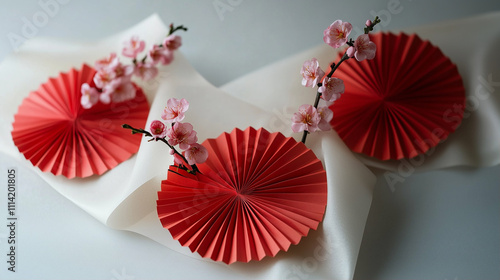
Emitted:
<point x="181" y="134"/>
<point x="178" y="133"/>
<point x="311" y="118"/>
<point x="113" y="80"/>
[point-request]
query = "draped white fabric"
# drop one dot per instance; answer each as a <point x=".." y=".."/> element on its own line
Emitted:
<point x="125" y="197"/>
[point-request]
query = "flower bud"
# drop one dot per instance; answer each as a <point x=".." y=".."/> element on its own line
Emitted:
<point x="350" y="51"/>
<point x="368" y="23"/>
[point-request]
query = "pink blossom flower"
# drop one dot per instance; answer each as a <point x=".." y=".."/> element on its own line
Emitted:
<point x="133" y="47"/>
<point x="331" y="89"/>
<point x="105" y="97"/>
<point x="326" y="116"/>
<point x="104" y="76"/>
<point x="336" y="34"/>
<point x="145" y="71"/>
<point x="123" y="71"/>
<point x="174" y="112"/>
<point x="172" y="42"/>
<point x="90" y="96"/>
<point x="365" y="49"/>
<point x="196" y="154"/>
<point x="158" y="129"/>
<point x="108" y="62"/>
<point x="368" y="23"/>
<point x="160" y="54"/>
<point x="306" y="119"/>
<point x="118" y="90"/>
<point x="311" y="73"/>
<point x="182" y="134"/>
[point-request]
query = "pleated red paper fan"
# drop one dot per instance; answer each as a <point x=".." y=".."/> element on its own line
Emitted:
<point x="53" y="131"/>
<point x="257" y="194"/>
<point x="400" y="104"/>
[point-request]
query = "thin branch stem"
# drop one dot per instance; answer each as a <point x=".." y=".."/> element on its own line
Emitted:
<point x="334" y="67"/>
<point x="173" y="29"/>
<point x="170" y="32"/>
<point x="344" y="58"/>
<point x="304" y="136"/>
<point x="374" y="22"/>
<point x="318" y="94"/>
<point x="316" y="102"/>
<point x="148" y="134"/>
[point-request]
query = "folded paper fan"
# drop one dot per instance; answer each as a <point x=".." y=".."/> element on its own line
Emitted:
<point x="400" y="104"/>
<point x="257" y="193"/>
<point x="58" y="135"/>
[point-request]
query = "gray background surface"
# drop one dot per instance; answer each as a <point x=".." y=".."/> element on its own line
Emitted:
<point x="442" y="224"/>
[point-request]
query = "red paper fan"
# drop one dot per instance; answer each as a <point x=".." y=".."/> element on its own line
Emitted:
<point x="258" y="193"/>
<point x="58" y="135"/>
<point x="401" y="103"/>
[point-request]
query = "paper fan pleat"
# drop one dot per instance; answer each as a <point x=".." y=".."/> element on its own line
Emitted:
<point x="53" y="131"/>
<point x="257" y="194"/>
<point x="401" y="103"/>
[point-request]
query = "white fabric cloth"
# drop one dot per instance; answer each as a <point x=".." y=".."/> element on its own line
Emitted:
<point x="125" y="197"/>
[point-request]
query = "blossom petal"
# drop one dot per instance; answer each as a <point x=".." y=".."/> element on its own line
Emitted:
<point x="336" y="35"/>
<point x="311" y="73"/>
<point x="307" y="119"/>
<point x="196" y="154"/>
<point x="133" y="47"/>
<point x="158" y="129"/>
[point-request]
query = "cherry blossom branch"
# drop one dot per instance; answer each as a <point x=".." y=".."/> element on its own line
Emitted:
<point x="316" y="103"/>
<point x="113" y="80"/>
<point x="171" y="31"/>
<point x="148" y="134"/>
<point x="310" y="118"/>
<point x="335" y="66"/>
<point x="319" y="94"/>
